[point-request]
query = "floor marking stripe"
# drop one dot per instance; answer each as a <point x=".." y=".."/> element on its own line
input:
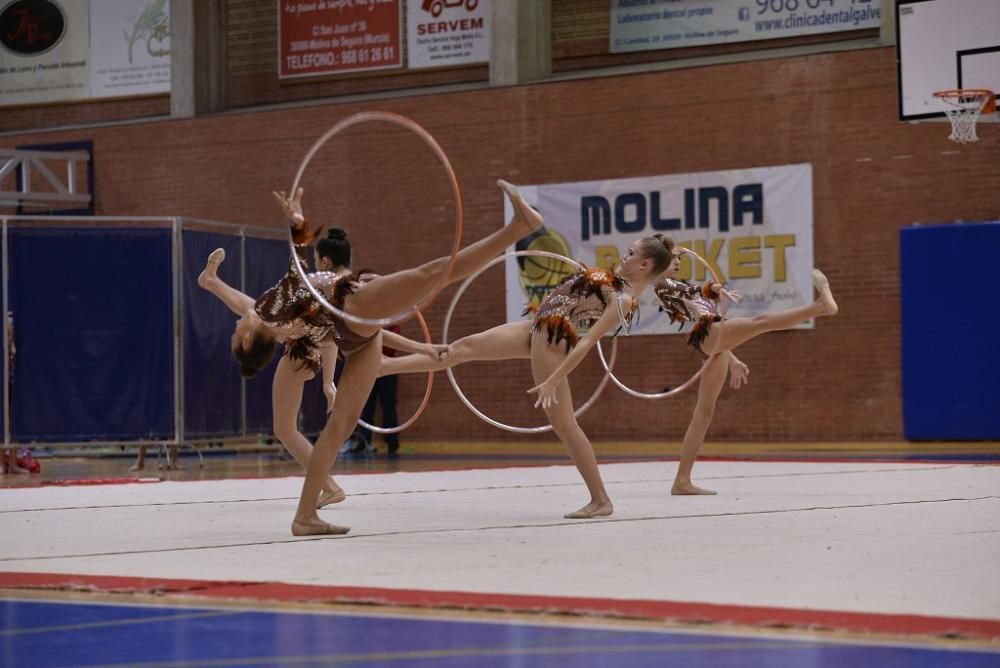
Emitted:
<point x="775" y="617"/>
<point x="500" y="527"/>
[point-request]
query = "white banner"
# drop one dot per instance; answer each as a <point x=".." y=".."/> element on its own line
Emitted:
<point x="442" y="33"/>
<point x="129" y="47"/>
<point x="642" y="25"/>
<point x="754" y="226"/>
<point x="44" y="52"/>
<point x="67" y="50"/>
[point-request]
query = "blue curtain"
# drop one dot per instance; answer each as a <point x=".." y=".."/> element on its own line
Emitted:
<point x="93" y="317"/>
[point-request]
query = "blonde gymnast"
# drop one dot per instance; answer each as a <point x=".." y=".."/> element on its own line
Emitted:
<point x="684" y="302"/>
<point x="599" y="299"/>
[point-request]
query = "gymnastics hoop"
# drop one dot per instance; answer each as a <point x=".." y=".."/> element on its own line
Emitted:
<point x="451" y="376"/>
<point x="677" y="390"/>
<point x="406" y="123"/>
<point x="423" y="402"/>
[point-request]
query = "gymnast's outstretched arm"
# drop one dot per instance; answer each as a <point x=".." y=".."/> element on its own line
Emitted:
<point x="405" y="345"/>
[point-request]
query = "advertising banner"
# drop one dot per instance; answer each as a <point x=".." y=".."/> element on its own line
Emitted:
<point x="440" y="33"/>
<point x="44" y="47"/>
<point x="63" y="51"/>
<point x="129" y="47"/>
<point x="337" y="36"/>
<point x="753" y="226"/>
<point x="642" y="25"/>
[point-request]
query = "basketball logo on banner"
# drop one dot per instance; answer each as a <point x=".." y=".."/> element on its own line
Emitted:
<point x="538" y="274"/>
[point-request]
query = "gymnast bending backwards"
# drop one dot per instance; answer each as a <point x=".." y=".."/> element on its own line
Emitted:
<point x="309" y="348"/>
<point x="598" y="300"/>
<point x="686" y="303"/>
<point x="289" y="310"/>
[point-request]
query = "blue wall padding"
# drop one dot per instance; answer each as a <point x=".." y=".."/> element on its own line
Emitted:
<point x="93" y="312"/>
<point x="951" y="351"/>
<point x="212" y="383"/>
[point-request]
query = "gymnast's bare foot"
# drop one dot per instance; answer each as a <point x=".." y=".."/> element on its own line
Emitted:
<point x="688" y="489"/>
<point x="215" y="258"/>
<point x="330" y="496"/>
<point x="822" y="285"/>
<point x="523" y="212"/>
<point x="592" y="509"/>
<point x="316" y="528"/>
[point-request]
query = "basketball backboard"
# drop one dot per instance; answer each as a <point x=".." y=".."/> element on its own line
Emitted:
<point x="945" y="44"/>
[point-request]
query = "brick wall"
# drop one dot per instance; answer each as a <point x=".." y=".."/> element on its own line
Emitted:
<point x="83" y="113"/>
<point x="872" y="176"/>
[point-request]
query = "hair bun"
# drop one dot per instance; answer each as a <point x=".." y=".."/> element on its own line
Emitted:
<point x="336" y="234"/>
<point x="666" y="239"/>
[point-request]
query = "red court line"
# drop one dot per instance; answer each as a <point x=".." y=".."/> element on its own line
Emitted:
<point x="678" y="611"/>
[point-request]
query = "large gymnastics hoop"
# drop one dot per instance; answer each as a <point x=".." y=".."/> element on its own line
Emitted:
<point x="690" y="381"/>
<point x="451" y="376"/>
<point x="404" y="122"/>
<point x="423" y="402"/>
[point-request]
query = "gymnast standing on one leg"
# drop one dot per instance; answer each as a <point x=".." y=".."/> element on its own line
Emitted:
<point x="303" y="356"/>
<point x="598" y="299"/>
<point x="684" y="302"/>
<point x="289" y="306"/>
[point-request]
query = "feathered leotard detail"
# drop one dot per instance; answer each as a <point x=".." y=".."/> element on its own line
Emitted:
<point x="685" y="302"/>
<point x="577" y="303"/>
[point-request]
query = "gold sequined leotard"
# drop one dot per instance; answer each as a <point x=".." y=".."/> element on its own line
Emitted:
<point x="578" y="302"/>
<point x="685" y="302"/>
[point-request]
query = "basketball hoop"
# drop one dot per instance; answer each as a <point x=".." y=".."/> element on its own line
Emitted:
<point x="963" y="107"/>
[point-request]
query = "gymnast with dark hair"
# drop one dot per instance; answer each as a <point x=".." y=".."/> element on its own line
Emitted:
<point x="314" y="349"/>
<point x="289" y="311"/>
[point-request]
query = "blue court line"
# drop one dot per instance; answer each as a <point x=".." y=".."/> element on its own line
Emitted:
<point x="48" y="634"/>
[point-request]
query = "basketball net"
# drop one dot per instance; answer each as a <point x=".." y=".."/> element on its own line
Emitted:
<point x="963" y="108"/>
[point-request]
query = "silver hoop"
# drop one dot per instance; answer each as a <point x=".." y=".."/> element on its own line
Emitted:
<point x="690" y="381"/>
<point x="423" y="402"/>
<point x="404" y="122"/>
<point x="451" y="376"/>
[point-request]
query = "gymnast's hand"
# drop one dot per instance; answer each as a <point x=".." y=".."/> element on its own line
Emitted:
<point x="292" y="207"/>
<point x="739" y="374"/>
<point x="546" y="393"/>
<point x="732" y="295"/>
<point x="437" y="352"/>
<point x="301" y="234"/>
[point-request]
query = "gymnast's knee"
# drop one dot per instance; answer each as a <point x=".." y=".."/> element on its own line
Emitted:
<point x="704" y="413"/>
<point x="283" y="431"/>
